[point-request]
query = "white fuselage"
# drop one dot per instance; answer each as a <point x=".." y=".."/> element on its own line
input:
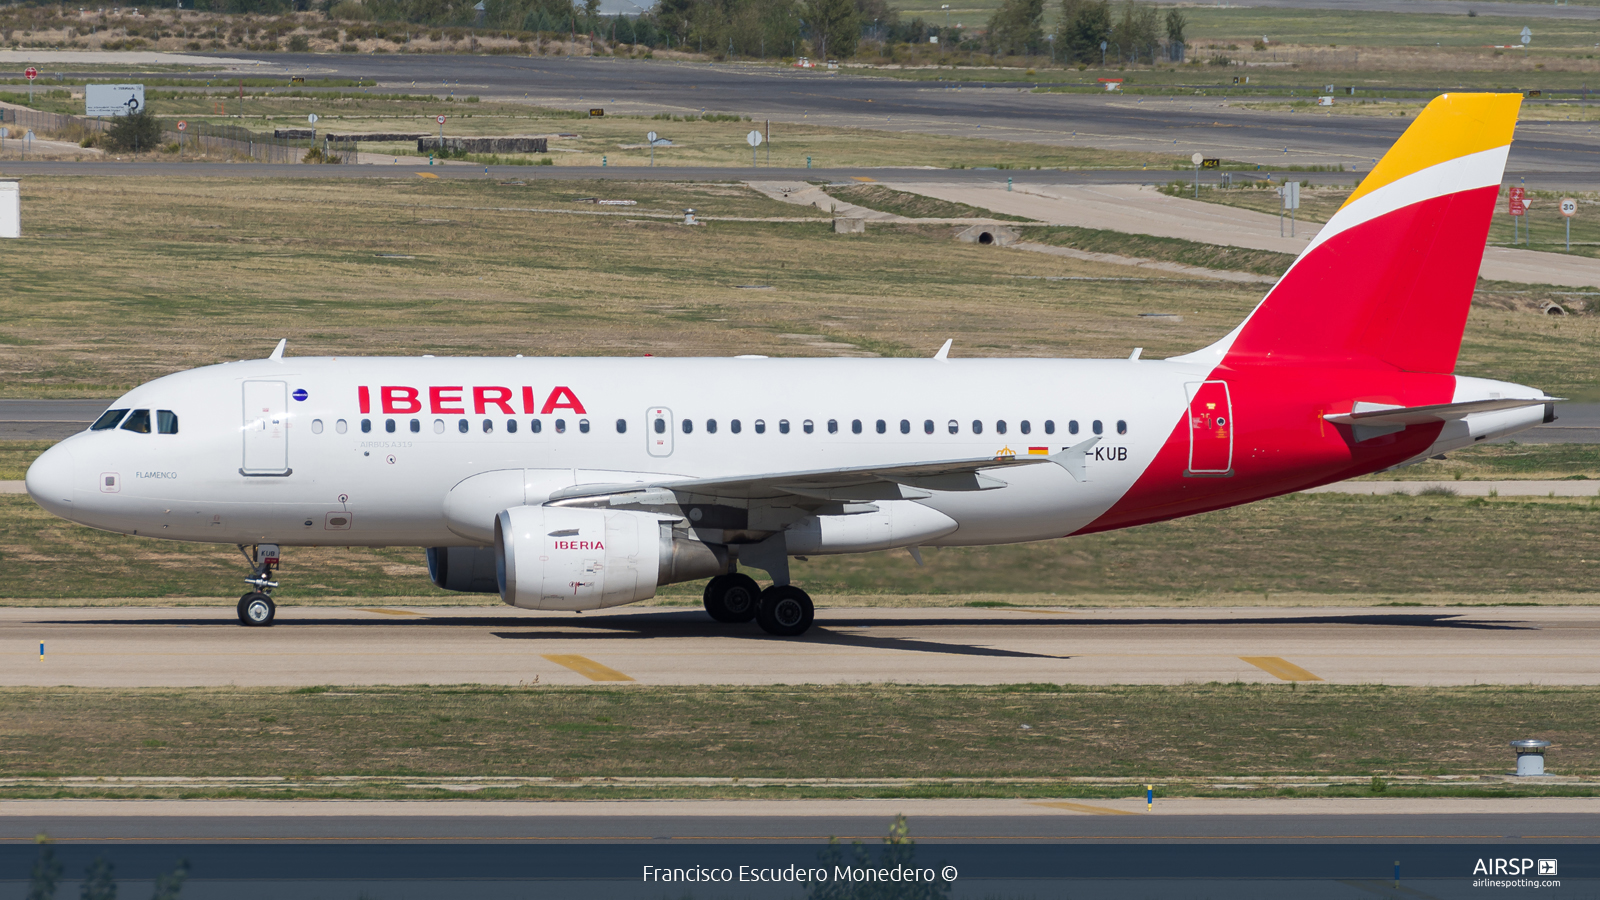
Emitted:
<point x="331" y="480"/>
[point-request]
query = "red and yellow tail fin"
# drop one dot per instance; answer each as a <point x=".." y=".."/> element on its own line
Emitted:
<point x="1389" y="280"/>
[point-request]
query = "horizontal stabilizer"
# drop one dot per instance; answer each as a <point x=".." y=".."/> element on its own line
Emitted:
<point x="1385" y="414"/>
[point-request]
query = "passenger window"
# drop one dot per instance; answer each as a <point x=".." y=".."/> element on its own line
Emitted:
<point x="316" y="424"/>
<point x="561" y="426"/>
<point x="882" y="427"/>
<point x="341" y="426"/>
<point x="488" y="426"/>
<point x="108" y="419"/>
<point x="977" y="426"/>
<point x="416" y="426"/>
<point x="807" y="427"/>
<point x="688" y="426"/>
<point x="438" y="426"/>
<point x="1072" y="427"/>
<point x="1026" y="427"/>
<point x="167" y="422"/>
<point x="661" y="426"/>
<point x="1049" y="426"/>
<point x="511" y="426"/>
<point x="388" y="425"/>
<point x="711" y="426"/>
<point x="954" y="426"/>
<point x="366" y="425"/>
<point x="1000" y="426"/>
<point x="783" y="426"/>
<point x="139" y="421"/>
<point x="761" y="426"/>
<point x="927" y="426"/>
<point x="462" y="426"/>
<point x="1098" y="428"/>
<point x="622" y="426"/>
<point x="583" y="425"/>
<point x="536" y="425"/>
<point x="735" y="426"/>
<point x="855" y="426"/>
<point x="1122" y="427"/>
<point x="905" y="426"/>
<point x="833" y="426"/>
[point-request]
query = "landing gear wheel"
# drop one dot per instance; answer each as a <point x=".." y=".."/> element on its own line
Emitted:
<point x="785" y="611"/>
<point x="732" y="598"/>
<point x="257" y="609"/>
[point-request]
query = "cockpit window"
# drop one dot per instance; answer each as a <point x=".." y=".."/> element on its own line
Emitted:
<point x="167" y="422"/>
<point x="108" y="420"/>
<point x="138" y="420"/>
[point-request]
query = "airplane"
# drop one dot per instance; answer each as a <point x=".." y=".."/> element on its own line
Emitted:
<point x="587" y="483"/>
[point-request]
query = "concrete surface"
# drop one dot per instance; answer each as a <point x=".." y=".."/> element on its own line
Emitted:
<point x="1466" y="488"/>
<point x="114" y="647"/>
<point x="1358" y="820"/>
<point x="1141" y="209"/>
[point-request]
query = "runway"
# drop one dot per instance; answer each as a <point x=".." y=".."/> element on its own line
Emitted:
<point x="179" y="647"/>
<point x="1554" y="820"/>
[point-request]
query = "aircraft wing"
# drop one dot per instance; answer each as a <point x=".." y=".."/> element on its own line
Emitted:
<point x="857" y="484"/>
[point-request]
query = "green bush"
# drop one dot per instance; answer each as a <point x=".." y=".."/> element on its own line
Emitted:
<point x="132" y="133"/>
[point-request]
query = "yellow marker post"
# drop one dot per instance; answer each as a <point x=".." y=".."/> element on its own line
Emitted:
<point x="1149" y="798"/>
<point x="41" y="651"/>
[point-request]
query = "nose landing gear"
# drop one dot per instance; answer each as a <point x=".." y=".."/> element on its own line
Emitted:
<point x="256" y="608"/>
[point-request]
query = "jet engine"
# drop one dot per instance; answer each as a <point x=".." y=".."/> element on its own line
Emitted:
<point x="551" y="557"/>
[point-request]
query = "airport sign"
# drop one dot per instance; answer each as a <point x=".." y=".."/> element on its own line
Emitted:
<point x="30" y="73"/>
<point x="112" y="99"/>
<point x="753" y="139"/>
<point x="1569" y="207"/>
<point x="440" y="120"/>
<point x="1519" y="201"/>
<point x="183" y="126"/>
<point x="312" y="118"/>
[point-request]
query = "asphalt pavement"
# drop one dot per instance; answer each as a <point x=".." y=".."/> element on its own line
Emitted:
<point x="1511" y="821"/>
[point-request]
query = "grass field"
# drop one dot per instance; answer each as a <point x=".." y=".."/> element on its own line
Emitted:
<point x="1384" y="548"/>
<point x="1167" y="735"/>
<point x="718" y="139"/>
<point x="118" y="281"/>
<point x="1190" y="253"/>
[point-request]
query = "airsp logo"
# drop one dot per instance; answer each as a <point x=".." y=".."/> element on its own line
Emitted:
<point x="1501" y="866"/>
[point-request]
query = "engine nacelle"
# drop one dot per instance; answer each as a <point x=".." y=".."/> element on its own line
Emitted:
<point x="553" y="557"/>
<point x="467" y="569"/>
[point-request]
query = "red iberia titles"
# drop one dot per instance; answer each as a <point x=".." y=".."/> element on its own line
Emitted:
<point x="481" y="399"/>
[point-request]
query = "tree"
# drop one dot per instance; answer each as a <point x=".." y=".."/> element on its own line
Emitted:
<point x="1175" y="25"/>
<point x="168" y="886"/>
<point x="1017" y="27"/>
<point x="46" y="874"/>
<point x="835" y="30"/>
<point x="134" y="132"/>
<point x="1084" y="24"/>
<point x="98" y="883"/>
<point x="1136" y="32"/>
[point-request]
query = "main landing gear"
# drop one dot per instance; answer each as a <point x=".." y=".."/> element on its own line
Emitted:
<point x="781" y="610"/>
<point x="256" y="608"/>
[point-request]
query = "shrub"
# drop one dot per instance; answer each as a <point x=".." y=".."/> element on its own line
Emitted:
<point x="137" y="132"/>
<point x="297" y="44"/>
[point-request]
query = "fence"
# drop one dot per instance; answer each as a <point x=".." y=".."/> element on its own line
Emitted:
<point x="224" y="140"/>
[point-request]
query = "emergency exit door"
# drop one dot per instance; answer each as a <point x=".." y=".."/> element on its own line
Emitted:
<point x="658" y="431"/>
<point x="266" y="428"/>
<point x="1210" y="429"/>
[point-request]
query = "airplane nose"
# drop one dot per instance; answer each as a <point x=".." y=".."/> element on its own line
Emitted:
<point x="50" y="480"/>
